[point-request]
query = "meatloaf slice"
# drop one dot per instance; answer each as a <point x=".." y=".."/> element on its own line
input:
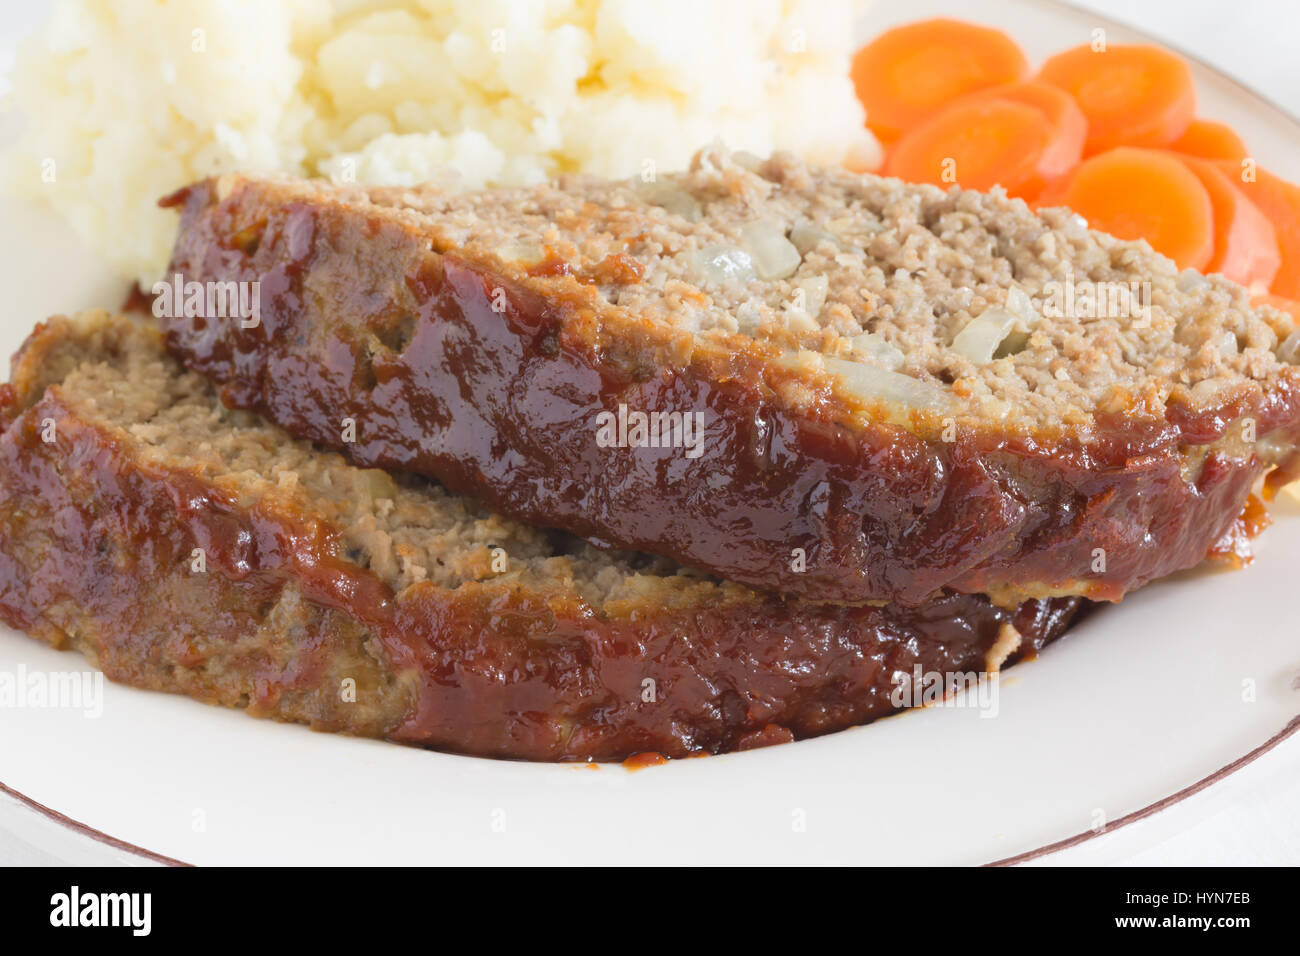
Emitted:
<point x="186" y="547"/>
<point x="890" y="403"/>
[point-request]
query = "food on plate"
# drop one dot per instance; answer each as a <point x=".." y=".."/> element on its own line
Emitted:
<point x="909" y="74"/>
<point x="899" y="390"/>
<point x="1021" y="137"/>
<point x="1209" y="139"/>
<point x="1144" y="194"/>
<point x="1114" y="106"/>
<point x="465" y="422"/>
<point x="127" y="99"/>
<point x="186" y="547"/>
<point x="1136" y="95"/>
<point x="1279" y="200"/>
<point x="1245" y="242"/>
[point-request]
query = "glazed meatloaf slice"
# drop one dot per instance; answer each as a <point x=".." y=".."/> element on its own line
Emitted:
<point x="897" y="390"/>
<point x="186" y="547"/>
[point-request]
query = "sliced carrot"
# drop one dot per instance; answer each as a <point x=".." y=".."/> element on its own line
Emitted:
<point x="1245" y="242"/>
<point x="1053" y="194"/>
<point x="908" y="74"/>
<point x="976" y="145"/>
<point x="1145" y="194"/>
<point x="1069" y="129"/>
<point x="1210" y="140"/>
<point x="1132" y="95"/>
<point x="1020" y="137"/>
<point x="1279" y="200"/>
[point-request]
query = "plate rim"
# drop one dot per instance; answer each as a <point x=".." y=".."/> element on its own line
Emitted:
<point x="86" y="830"/>
<point x="1289" y="730"/>
<point x="1164" y="803"/>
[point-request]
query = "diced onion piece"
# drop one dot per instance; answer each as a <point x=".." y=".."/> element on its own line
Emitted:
<point x="804" y="360"/>
<point x="527" y="253"/>
<point x="1021" y="306"/>
<point x="881" y="351"/>
<point x="747" y="316"/>
<point x="1206" y="391"/>
<point x="982" y="335"/>
<point x="814" y="289"/>
<point x="774" y="256"/>
<point x="1189" y="280"/>
<point x="1015" y="343"/>
<point x="722" y="264"/>
<point x="872" y="384"/>
<point x="378" y="484"/>
<point x="1289" y="350"/>
<point x="807" y="237"/>
<point x="673" y="198"/>
<point x="800" y="324"/>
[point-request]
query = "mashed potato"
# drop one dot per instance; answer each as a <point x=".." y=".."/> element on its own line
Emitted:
<point x="125" y="100"/>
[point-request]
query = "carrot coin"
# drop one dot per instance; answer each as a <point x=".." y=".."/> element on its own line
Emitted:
<point x="1210" y="140"/>
<point x="1145" y="194"/>
<point x="910" y="73"/>
<point x="976" y="145"/>
<point x="1069" y="130"/>
<point x="1245" y="242"/>
<point x="1279" y="200"/>
<point x="1132" y="95"/>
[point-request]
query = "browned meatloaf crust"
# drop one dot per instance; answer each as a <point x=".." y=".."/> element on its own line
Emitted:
<point x="858" y="446"/>
<point x="186" y="547"/>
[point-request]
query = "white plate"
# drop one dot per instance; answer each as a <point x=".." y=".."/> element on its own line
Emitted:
<point x="1139" y="703"/>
